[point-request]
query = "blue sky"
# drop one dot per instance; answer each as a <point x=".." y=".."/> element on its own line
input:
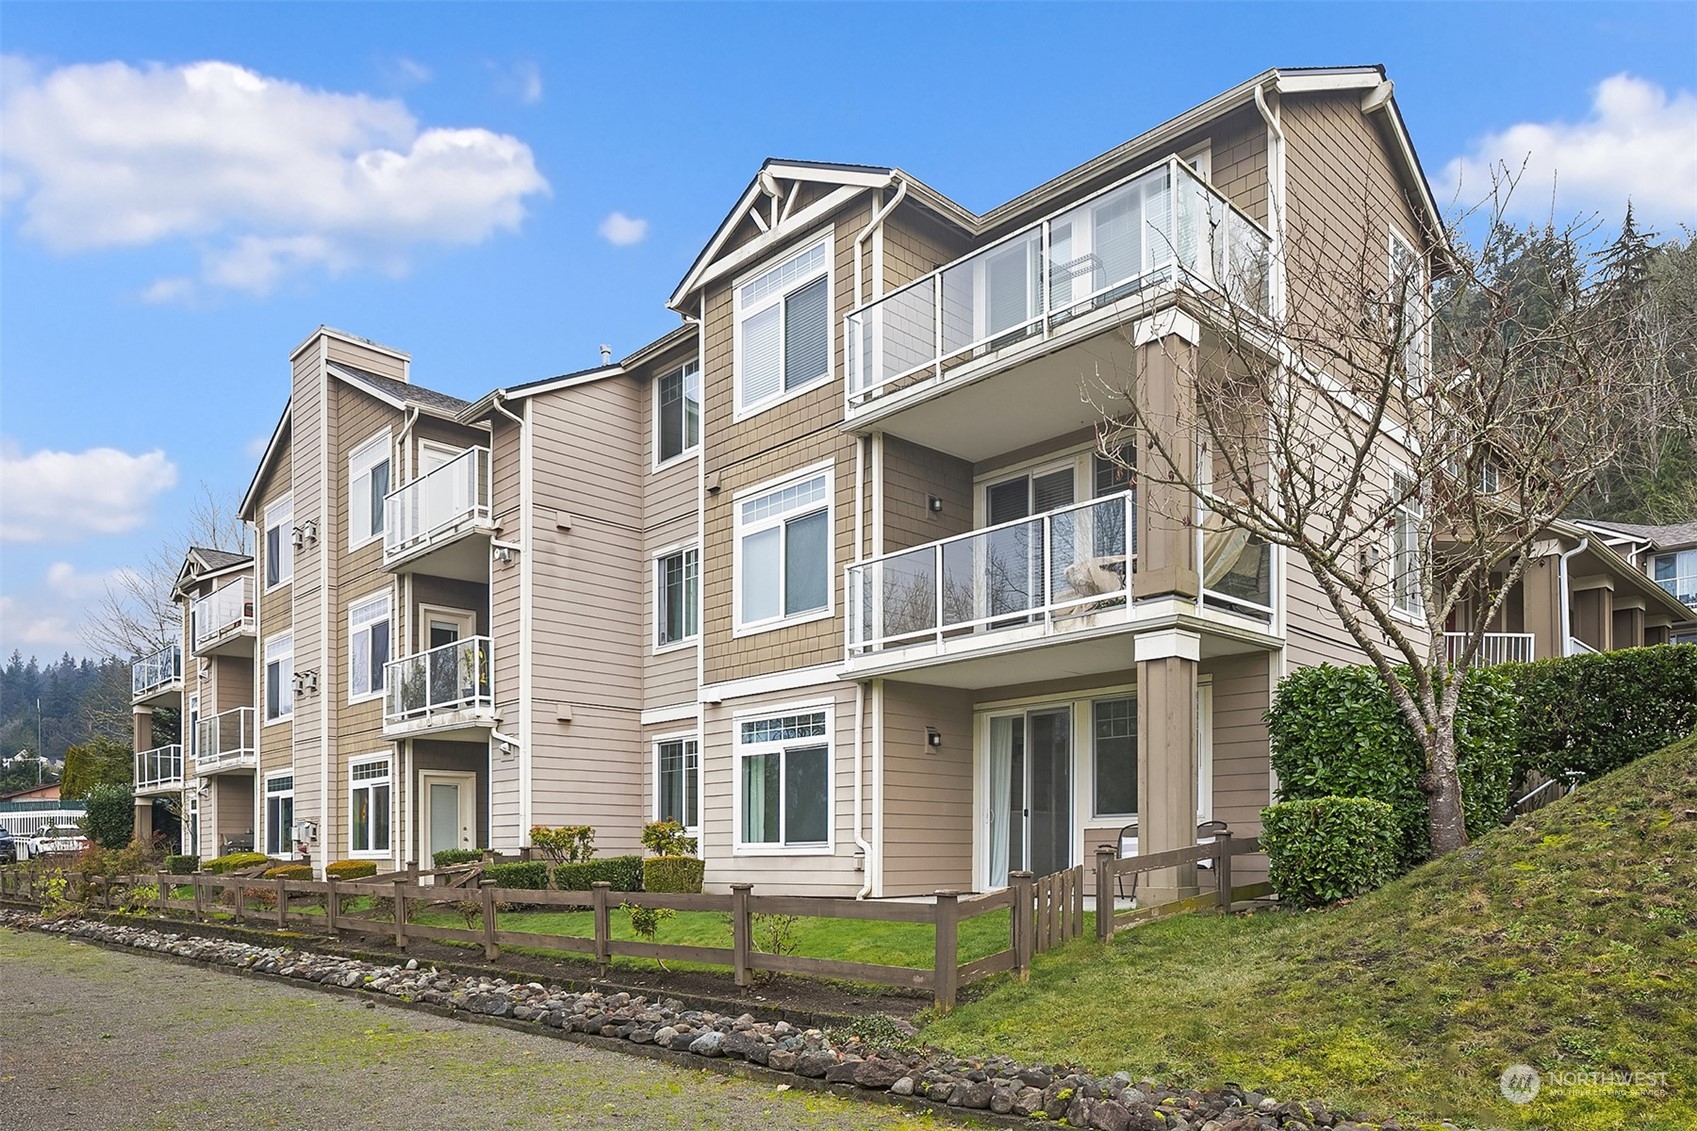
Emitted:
<point x="187" y="190"/>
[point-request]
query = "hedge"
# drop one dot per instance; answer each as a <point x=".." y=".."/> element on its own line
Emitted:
<point x="1335" y="732"/>
<point x="183" y="865"/>
<point x="1329" y="848"/>
<point x="350" y="869"/>
<point x="449" y="857"/>
<point x="624" y="873"/>
<point x="289" y="872"/>
<point x="672" y="873"/>
<point x="1594" y="713"/>
<point x="110" y="816"/>
<point x="234" y="862"/>
<point x="531" y="874"/>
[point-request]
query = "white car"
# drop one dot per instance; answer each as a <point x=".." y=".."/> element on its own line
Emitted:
<point x="52" y="839"/>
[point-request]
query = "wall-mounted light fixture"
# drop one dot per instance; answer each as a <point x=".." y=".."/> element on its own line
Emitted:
<point x="297" y="537"/>
<point x="934" y="503"/>
<point x="503" y="551"/>
<point x="933" y="739"/>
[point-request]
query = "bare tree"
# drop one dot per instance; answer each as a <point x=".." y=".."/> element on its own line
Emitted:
<point x="1406" y="451"/>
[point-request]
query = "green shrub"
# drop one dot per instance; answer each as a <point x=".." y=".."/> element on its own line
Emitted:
<point x="350" y="869"/>
<point x="529" y="874"/>
<point x="289" y="872"/>
<point x="450" y="857"/>
<point x="234" y="862"/>
<point x="1325" y="849"/>
<point x="110" y="820"/>
<point x="568" y="844"/>
<point x="182" y="865"/>
<point x="1335" y="732"/>
<point x="1594" y="713"/>
<point x="624" y="873"/>
<point x="140" y="898"/>
<point x="672" y="873"/>
<point x="667" y="838"/>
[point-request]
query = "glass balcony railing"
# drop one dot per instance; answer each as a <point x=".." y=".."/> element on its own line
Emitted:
<point x="1160" y="226"/>
<point x="1494" y="648"/>
<point x="225" y="611"/>
<point x="229" y="738"/>
<point x="156" y="672"/>
<point x="452" y="677"/>
<point x="160" y="768"/>
<point x="437" y="503"/>
<point x="1034" y="571"/>
<point x="1237" y="570"/>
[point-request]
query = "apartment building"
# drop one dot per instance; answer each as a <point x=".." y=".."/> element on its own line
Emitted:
<point x="1667" y="555"/>
<point x="833" y="573"/>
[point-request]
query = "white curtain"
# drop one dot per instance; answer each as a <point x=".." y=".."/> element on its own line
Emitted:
<point x="1001" y="776"/>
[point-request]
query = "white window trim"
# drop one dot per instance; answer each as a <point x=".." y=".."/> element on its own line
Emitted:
<point x="1200" y="158"/>
<point x="1416" y="614"/>
<point x="700" y="799"/>
<point x="285" y="688"/>
<point x="388" y="596"/>
<point x="739" y="627"/>
<point x="1395" y="240"/>
<point x="693" y="639"/>
<point x="1678" y="574"/>
<point x="360" y="462"/>
<point x="1090" y="705"/>
<point x="286" y="539"/>
<point x="265" y="797"/>
<point x="738" y="846"/>
<point x="693" y="450"/>
<point x="355" y="784"/>
<point x="827" y="236"/>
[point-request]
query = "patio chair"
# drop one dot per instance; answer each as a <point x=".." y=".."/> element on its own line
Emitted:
<point x="1206" y="833"/>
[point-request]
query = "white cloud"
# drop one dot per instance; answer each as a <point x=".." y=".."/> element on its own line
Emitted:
<point x="255" y="447"/>
<point x="622" y="231"/>
<point x="527" y="78"/>
<point x="34" y="631"/>
<point x="62" y="496"/>
<point x="412" y="71"/>
<point x="67" y="581"/>
<point x="1638" y="142"/>
<point x="264" y="177"/>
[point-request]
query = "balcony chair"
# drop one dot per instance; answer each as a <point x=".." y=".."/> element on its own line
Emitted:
<point x="1206" y="833"/>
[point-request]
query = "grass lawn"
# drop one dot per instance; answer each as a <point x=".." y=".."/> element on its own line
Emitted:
<point x="1567" y="941"/>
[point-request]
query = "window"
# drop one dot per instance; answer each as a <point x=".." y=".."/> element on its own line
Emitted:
<point x="368" y="482"/>
<point x="279" y="814"/>
<point x="678" y="580"/>
<point x="368" y="646"/>
<point x="784" y="773"/>
<point x="783" y="328"/>
<point x="784" y="551"/>
<point x="1677" y="573"/>
<point x="680" y="411"/>
<point x="279" y="541"/>
<point x="678" y="775"/>
<point x="1408" y="281"/>
<point x="1405" y="548"/>
<point x="280" y="677"/>
<point x="368" y="808"/>
<point x="1115" y="748"/>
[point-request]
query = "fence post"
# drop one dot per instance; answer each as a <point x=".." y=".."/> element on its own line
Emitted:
<point x="164" y="891"/>
<point x="486" y="892"/>
<point x="1106" y="854"/>
<point x="331" y="901"/>
<point x="1075" y="927"/>
<point x="741" y="931"/>
<point x="1223" y="871"/>
<point x="1022" y="923"/>
<point x="603" y="928"/>
<point x="282" y="903"/>
<point x="241" y="907"/>
<point x="194" y="884"/>
<point x="400" y="915"/>
<point x="412" y="872"/>
<point x="946" y="967"/>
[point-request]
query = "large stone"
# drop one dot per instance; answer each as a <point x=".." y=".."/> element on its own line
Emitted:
<point x="877" y="1073"/>
<point x="1109" y="1115"/>
<point x="842" y="1073"/>
<point x="782" y="1059"/>
<point x="902" y="1087"/>
<point x="815" y="1063"/>
<point x="1027" y="1100"/>
<point x="708" y="1044"/>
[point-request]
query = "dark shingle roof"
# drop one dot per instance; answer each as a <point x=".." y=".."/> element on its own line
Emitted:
<point x="218" y="559"/>
<point x="429" y="400"/>
<point x="1673" y="536"/>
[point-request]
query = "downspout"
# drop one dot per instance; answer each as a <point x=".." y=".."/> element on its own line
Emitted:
<point x="526" y="610"/>
<point x="407" y="422"/>
<point x="872" y="225"/>
<point x="1566" y="616"/>
<point x="1275" y="198"/>
<point x="861" y="844"/>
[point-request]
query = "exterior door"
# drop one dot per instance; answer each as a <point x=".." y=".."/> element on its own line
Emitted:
<point x="449" y="811"/>
<point x="447" y="680"/>
<point x="1013" y="578"/>
<point x="1030" y="793"/>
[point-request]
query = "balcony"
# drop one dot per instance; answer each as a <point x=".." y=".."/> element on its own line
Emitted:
<point x="223" y="620"/>
<point x="159" y="770"/>
<point x="1494" y="648"/>
<point x="438" y="523"/>
<point x="445" y="692"/>
<point x="226" y="741"/>
<point x="1027" y="298"/>
<point x="157" y="680"/>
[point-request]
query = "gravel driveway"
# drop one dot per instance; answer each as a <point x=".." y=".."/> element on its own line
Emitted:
<point x="95" y="1039"/>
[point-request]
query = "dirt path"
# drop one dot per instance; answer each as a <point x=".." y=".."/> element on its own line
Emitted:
<point x="94" y="1039"/>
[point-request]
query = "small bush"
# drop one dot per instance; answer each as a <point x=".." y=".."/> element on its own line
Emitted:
<point x="289" y="872"/>
<point x="531" y="875"/>
<point x="140" y="898"/>
<point x="450" y="857"/>
<point x="350" y="869"/>
<point x="1325" y="849"/>
<point x="568" y="844"/>
<point x="623" y="873"/>
<point x="234" y="862"/>
<point x="672" y="873"/>
<point x="182" y="865"/>
<point x="110" y="820"/>
<point x="1594" y="713"/>
<point x="667" y="838"/>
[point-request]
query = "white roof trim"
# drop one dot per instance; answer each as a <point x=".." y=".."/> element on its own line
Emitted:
<point x="1302" y="83"/>
<point x="271" y="450"/>
<point x="765" y="241"/>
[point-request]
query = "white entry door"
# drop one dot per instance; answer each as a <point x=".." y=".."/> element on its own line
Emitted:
<point x="449" y="811"/>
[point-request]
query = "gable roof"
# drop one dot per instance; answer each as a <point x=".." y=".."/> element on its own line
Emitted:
<point x="202" y="562"/>
<point x="1671" y="536"/>
<point x="484" y="406"/>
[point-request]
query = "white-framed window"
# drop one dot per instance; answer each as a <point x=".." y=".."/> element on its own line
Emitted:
<point x="1408" y="278"/>
<point x="677" y="596"/>
<point x="677" y="412"/>
<point x="677" y="781"/>
<point x="1114" y="757"/>
<point x="368" y="807"/>
<point x="782" y="341"/>
<point x="784" y="781"/>
<point x="1677" y="573"/>
<point x="368" y="645"/>
<point x="783" y="551"/>
<point x="368" y="483"/>
<point x="279" y="677"/>
<point x="279" y="814"/>
<point x="279" y="542"/>
<point x="1405" y="548"/>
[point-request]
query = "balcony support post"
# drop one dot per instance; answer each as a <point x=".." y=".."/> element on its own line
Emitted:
<point x="1166" y="401"/>
<point x="1168" y="703"/>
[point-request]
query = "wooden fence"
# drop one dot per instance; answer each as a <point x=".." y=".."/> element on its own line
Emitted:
<point x="1110" y="869"/>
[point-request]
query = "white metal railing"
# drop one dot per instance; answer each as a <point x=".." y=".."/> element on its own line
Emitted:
<point x="159" y="768"/>
<point x="1576" y="646"/>
<point x="227" y="738"/>
<point x="452" y="677"/>
<point x="436" y="501"/>
<point x="1071" y="561"/>
<point x="1494" y="647"/>
<point x="224" y="610"/>
<point x="160" y="670"/>
<point x="1157" y="226"/>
